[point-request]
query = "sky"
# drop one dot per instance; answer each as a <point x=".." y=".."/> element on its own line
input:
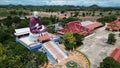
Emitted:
<point x="103" y="3"/>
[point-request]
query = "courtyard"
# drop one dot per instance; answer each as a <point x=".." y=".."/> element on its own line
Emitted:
<point x="96" y="48"/>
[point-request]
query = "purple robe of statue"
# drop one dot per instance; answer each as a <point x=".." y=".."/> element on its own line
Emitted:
<point x="33" y="22"/>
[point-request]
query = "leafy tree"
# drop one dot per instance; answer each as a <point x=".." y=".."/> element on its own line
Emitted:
<point x="62" y="12"/>
<point x="69" y="37"/>
<point x="2" y="53"/>
<point x="7" y="21"/>
<point x="46" y="21"/>
<point x="4" y="36"/>
<point x="9" y="17"/>
<point x="83" y="14"/>
<point x="1" y="49"/>
<point x="53" y="19"/>
<point x="16" y="19"/>
<point x="69" y="46"/>
<point x="76" y="14"/>
<point x="65" y="14"/>
<point x="111" y="38"/>
<point x="109" y="62"/>
<point x="71" y="14"/>
<point x="40" y="58"/>
<point x="10" y="30"/>
<point x="109" y="13"/>
<point x="93" y="13"/>
<point x="79" y="38"/>
<point x="23" y="23"/>
<point x="101" y="14"/>
<point x="70" y="41"/>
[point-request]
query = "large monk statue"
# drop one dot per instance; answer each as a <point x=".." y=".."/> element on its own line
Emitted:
<point x="36" y="27"/>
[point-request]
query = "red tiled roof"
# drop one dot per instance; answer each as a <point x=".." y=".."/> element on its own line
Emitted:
<point x="116" y="54"/>
<point x="117" y="22"/>
<point x="76" y="27"/>
<point x="44" y="38"/>
<point x="115" y="25"/>
<point x="93" y="26"/>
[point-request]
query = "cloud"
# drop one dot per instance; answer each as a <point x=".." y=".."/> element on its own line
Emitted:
<point x="63" y="2"/>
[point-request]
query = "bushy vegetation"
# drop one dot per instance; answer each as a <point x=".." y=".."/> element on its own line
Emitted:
<point x="14" y="55"/>
<point x="111" y="38"/>
<point x="10" y="20"/>
<point x="72" y="40"/>
<point x="107" y="19"/>
<point x="109" y="62"/>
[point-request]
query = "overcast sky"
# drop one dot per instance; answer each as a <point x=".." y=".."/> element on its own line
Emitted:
<point x="105" y="3"/>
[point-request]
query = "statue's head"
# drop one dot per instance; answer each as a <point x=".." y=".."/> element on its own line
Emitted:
<point x="35" y="14"/>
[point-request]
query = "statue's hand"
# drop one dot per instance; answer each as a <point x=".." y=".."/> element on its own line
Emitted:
<point x="36" y="25"/>
<point x="39" y="27"/>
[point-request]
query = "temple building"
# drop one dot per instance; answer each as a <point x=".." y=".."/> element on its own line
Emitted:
<point x="46" y="44"/>
<point x="85" y="28"/>
<point x="114" y="26"/>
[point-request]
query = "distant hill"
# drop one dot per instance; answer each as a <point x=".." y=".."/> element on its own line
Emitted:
<point x="94" y="6"/>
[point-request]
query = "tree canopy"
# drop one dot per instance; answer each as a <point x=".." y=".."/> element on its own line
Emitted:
<point x="111" y="38"/>
<point x="72" y="40"/>
<point x="107" y="19"/>
<point x="14" y="55"/>
<point x="79" y="38"/>
<point x="109" y="62"/>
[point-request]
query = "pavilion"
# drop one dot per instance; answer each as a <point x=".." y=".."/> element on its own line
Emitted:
<point x="84" y="28"/>
<point x="114" y="26"/>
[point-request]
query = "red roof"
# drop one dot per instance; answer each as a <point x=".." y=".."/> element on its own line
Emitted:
<point x="93" y="26"/>
<point x="116" y="54"/>
<point x="75" y="27"/>
<point x="115" y="25"/>
<point x="44" y="38"/>
<point x="118" y="22"/>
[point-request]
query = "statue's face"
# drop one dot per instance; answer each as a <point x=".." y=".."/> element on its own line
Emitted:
<point x="35" y="14"/>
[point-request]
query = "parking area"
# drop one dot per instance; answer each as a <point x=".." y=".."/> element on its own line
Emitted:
<point x="96" y="48"/>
